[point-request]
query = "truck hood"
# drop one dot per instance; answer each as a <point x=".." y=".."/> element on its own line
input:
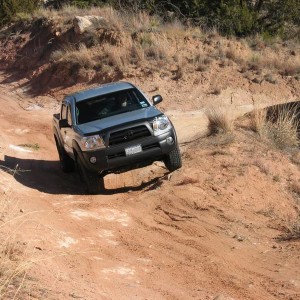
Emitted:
<point x="105" y="123"/>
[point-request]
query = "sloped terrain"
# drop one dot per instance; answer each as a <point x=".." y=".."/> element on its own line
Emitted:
<point x="224" y="226"/>
<point x="190" y="67"/>
<point x="219" y="228"/>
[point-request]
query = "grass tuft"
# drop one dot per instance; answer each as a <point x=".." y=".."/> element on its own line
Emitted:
<point x="283" y="126"/>
<point x="280" y="124"/>
<point x="221" y="119"/>
<point x="292" y="232"/>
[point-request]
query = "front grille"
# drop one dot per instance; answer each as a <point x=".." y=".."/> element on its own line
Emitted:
<point x="127" y="135"/>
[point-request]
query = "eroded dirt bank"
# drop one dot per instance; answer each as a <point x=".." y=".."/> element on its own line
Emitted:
<point x="207" y="231"/>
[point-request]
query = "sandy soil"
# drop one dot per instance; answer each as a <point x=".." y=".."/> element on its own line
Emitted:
<point x="207" y="231"/>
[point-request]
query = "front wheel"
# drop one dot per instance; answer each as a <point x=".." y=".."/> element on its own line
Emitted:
<point x="173" y="160"/>
<point x="93" y="182"/>
<point x="67" y="164"/>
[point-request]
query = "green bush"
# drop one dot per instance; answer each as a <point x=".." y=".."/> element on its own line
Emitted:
<point x="230" y="17"/>
<point x="9" y="9"/>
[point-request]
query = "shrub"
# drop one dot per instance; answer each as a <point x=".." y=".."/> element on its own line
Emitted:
<point x="70" y="54"/>
<point x="220" y="119"/>
<point x="280" y="124"/>
<point x="9" y="9"/>
<point x="258" y="121"/>
<point x="283" y="126"/>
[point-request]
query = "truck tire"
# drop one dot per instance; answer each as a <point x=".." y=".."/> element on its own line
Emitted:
<point x="93" y="183"/>
<point x="67" y="164"/>
<point x="173" y="160"/>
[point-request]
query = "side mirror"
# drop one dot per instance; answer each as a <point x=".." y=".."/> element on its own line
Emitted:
<point x="157" y="99"/>
<point x="63" y="123"/>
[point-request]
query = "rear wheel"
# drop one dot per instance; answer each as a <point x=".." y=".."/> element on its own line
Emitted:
<point x="173" y="160"/>
<point x="67" y="164"/>
<point x="93" y="183"/>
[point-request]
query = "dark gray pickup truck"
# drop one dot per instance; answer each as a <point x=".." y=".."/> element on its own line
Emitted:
<point x="111" y="129"/>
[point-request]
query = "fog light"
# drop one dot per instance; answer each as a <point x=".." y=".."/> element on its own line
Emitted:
<point x="170" y="140"/>
<point x="93" y="159"/>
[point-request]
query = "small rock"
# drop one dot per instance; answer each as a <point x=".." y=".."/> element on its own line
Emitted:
<point x="81" y="24"/>
<point x="239" y="238"/>
<point x="21" y="210"/>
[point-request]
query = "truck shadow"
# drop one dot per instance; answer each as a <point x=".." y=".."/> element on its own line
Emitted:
<point x="46" y="176"/>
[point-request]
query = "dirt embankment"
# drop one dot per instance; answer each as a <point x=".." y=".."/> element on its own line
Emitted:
<point x="190" y="68"/>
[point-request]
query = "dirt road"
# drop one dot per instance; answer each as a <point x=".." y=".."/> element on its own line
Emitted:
<point x="150" y="235"/>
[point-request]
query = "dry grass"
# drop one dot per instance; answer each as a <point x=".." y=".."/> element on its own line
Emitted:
<point x="290" y="67"/>
<point x="201" y="62"/>
<point x="174" y="29"/>
<point x="11" y="251"/>
<point x="221" y="119"/>
<point x="283" y="127"/>
<point x="258" y="121"/>
<point x="292" y="230"/>
<point x="285" y="65"/>
<point x="159" y="42"/>
<point x="295" y="188"/>
<point x="181" y="66"/>
<point x="118" y="57"/>
<point x="155" y="46"/>
<point x="236" y="52"/>
<point x="80" y="56"/>
<point x="142" y="22"/>
<point x="137" y="55"/>
<point x="262" y="167"/>
<point x="280" y="124"/>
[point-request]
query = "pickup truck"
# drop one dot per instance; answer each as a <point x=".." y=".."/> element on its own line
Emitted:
<point x="111" y="129"/>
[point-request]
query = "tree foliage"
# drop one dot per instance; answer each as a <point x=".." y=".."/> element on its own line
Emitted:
<point x="230" y="17"/>
<point x="9" y="9"/>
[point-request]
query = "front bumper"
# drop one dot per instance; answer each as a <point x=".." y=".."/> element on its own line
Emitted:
<point x="113" y="158"/>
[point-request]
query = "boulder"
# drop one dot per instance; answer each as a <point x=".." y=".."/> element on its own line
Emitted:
<point x="82" y="23"/>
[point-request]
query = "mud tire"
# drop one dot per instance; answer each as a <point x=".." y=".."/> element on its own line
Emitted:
<point x="173" y="160"/>
<point x="67" y="164"/>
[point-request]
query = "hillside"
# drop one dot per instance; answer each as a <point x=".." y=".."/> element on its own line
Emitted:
<point x="190" y="67"/>
<point x="224" y="226"/>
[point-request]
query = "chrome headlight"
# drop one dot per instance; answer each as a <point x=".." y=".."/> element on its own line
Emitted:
<point x="161" y="124"/>
<point x="92" y="142"/>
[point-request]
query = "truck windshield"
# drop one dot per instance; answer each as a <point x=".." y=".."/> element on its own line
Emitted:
<point x="109" y="105"/>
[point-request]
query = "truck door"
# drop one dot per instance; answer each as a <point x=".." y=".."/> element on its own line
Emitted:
<point x="66" y="133"/>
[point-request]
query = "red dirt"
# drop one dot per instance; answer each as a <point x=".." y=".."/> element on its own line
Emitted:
<point x="207" y="231"/>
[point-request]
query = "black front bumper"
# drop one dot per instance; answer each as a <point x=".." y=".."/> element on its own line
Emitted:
<point x="114" y="160"/>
